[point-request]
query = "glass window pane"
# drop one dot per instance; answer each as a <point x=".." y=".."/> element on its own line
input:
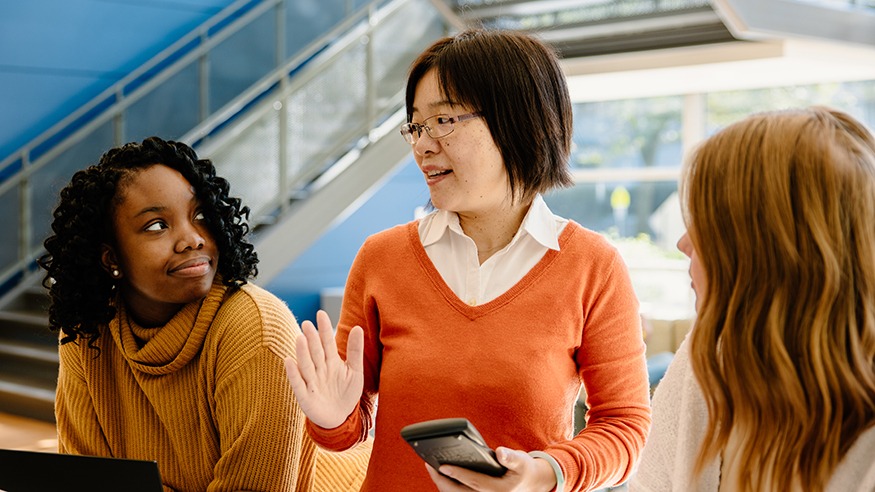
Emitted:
<point x="241" y="60"/>
<point x="48" y="181"/>
<point x="855" y="98"/>
<point x="169" y="111"/>
<point x="621" y="210"/>
<point x="627" y="134"/>
<point x="643" y="220"/>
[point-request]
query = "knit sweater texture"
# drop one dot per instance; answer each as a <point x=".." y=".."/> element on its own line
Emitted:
<point x="512" y="366"/>
<point x="680" y="416"/>
<point x="206" y="396"/>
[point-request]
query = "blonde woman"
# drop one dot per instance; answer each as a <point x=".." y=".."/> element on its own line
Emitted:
<point x="774" y="390"/>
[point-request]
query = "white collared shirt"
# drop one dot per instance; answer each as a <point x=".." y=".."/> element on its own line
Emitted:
<point x="455" y="255"/>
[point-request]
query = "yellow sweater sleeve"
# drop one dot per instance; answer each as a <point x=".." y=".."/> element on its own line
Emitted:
<point x="258" y="420"/>
<point x="79" y="430"/>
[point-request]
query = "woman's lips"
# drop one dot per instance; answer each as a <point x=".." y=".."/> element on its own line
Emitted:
<point x="433" y="177"/>
<point x="192" y="268"/>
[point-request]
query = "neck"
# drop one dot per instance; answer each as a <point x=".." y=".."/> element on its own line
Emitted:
<point x="494" y="230"/>
<point x="151" y="316"/>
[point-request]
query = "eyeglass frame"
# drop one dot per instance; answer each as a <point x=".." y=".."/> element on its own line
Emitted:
<point x="407" y="129"/>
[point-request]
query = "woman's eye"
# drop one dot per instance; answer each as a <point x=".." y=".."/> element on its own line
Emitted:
<point x="156" y="226"/>
<point x="199" y="216"/>
<point x="442" y="120"/>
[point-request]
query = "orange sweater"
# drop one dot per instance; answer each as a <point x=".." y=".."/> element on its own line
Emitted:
<point x="512" y="366"/>
<point x="206" y="396"/>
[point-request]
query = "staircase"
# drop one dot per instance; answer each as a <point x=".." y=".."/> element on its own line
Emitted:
<point x="28" y="354"/>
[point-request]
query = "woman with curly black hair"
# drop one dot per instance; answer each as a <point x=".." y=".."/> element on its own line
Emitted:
<point x="167" y="353"/>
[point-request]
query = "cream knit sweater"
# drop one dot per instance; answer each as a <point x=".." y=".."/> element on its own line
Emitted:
<point x="206" y="396"/>
<point x="679" y="419"/>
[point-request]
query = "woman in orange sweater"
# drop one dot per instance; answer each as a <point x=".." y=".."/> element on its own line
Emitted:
<point x="167" y="353"/>
<point x="490" y="308"/>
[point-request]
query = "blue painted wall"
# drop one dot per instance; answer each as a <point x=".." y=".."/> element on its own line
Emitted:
<point x="56" y="55"/>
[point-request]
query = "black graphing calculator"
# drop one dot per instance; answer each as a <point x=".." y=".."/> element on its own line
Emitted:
<point x="452" y="442"/>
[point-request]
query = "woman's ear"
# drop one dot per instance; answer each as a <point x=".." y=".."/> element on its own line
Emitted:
<point x="109" y="262"/>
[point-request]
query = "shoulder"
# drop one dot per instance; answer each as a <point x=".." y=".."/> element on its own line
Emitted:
<point x="590" y="250"/>
<point x="856" y="471"/>
<point x="255" y="317"/>
<point x="389" y="243"/>
<point x="392" y="236"/>
<point x="680" y="416"/>
<point x="575" y="235"/>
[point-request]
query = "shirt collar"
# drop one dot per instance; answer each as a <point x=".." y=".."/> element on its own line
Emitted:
<point x="441" y="221"/>
<point x="539" y="222"/>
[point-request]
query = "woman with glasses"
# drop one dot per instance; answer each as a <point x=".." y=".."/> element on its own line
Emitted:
<point x="490" y="308"/>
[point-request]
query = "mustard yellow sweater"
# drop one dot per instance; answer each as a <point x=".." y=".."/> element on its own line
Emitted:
<point x="206" y="396"/>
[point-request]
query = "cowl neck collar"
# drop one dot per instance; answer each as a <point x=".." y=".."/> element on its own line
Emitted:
<point x="166" y="349"/>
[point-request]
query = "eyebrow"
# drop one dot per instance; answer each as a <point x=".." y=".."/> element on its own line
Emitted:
<point x="147" y="210"/>
<point x="442" y="102"/>
<point x="162" y="208"/>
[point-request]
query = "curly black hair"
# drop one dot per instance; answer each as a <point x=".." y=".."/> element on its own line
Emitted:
<point x="80" y="290"/>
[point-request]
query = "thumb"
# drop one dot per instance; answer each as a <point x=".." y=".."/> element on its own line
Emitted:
<point x="509" y="458"/>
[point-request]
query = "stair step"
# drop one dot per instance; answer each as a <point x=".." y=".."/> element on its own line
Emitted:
<point x="33" y="298"/>
<point x="28" y="351"/>
<point x="19" y="397"/>
<point x="27" y="327"/>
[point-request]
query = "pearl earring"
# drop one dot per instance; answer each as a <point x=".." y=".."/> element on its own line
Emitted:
<point x="115" y="273"/>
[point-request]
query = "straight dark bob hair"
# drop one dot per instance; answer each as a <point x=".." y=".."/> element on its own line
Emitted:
<point x="515" y="82"/>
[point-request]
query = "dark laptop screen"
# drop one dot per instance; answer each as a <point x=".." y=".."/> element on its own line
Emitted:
<point x="29" y="471"/>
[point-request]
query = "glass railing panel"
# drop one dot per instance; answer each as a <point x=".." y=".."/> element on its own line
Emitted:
<point x="10" y="204"/>
<point x="328" y="110"/>
<point x="250" y="162"/>
<point x="48" y="181"/>
<point x="170" y="110"/>
<point x="306" y="21"/>
<point x="241" y="60"/>
<point x="396" y="43"/>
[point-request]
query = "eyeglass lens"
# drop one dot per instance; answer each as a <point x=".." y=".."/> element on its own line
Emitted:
<point x="436" y="126"/>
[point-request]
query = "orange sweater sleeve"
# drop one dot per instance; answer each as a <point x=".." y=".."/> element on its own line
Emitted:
<point x="614" y="372"/>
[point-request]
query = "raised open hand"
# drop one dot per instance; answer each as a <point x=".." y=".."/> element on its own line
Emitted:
<point x="327" y="388"/>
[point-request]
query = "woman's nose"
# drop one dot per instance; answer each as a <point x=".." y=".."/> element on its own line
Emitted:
<point x="686" y="245"/>
<point x="190" y="238"/>
<point x="425" y="144"/>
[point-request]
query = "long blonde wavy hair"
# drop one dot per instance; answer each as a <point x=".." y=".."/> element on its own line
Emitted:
<point x="781" y="210"/>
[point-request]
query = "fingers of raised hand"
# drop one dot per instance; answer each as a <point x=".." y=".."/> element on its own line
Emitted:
<point x="355" y="349"/>
<point x="293" y="373"/>
<point x="315" y="351"/>
<point x="326" y="334"/>
<point x="306" y="365"/>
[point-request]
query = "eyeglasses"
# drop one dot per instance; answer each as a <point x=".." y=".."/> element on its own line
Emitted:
<point x="437" y="126"/>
